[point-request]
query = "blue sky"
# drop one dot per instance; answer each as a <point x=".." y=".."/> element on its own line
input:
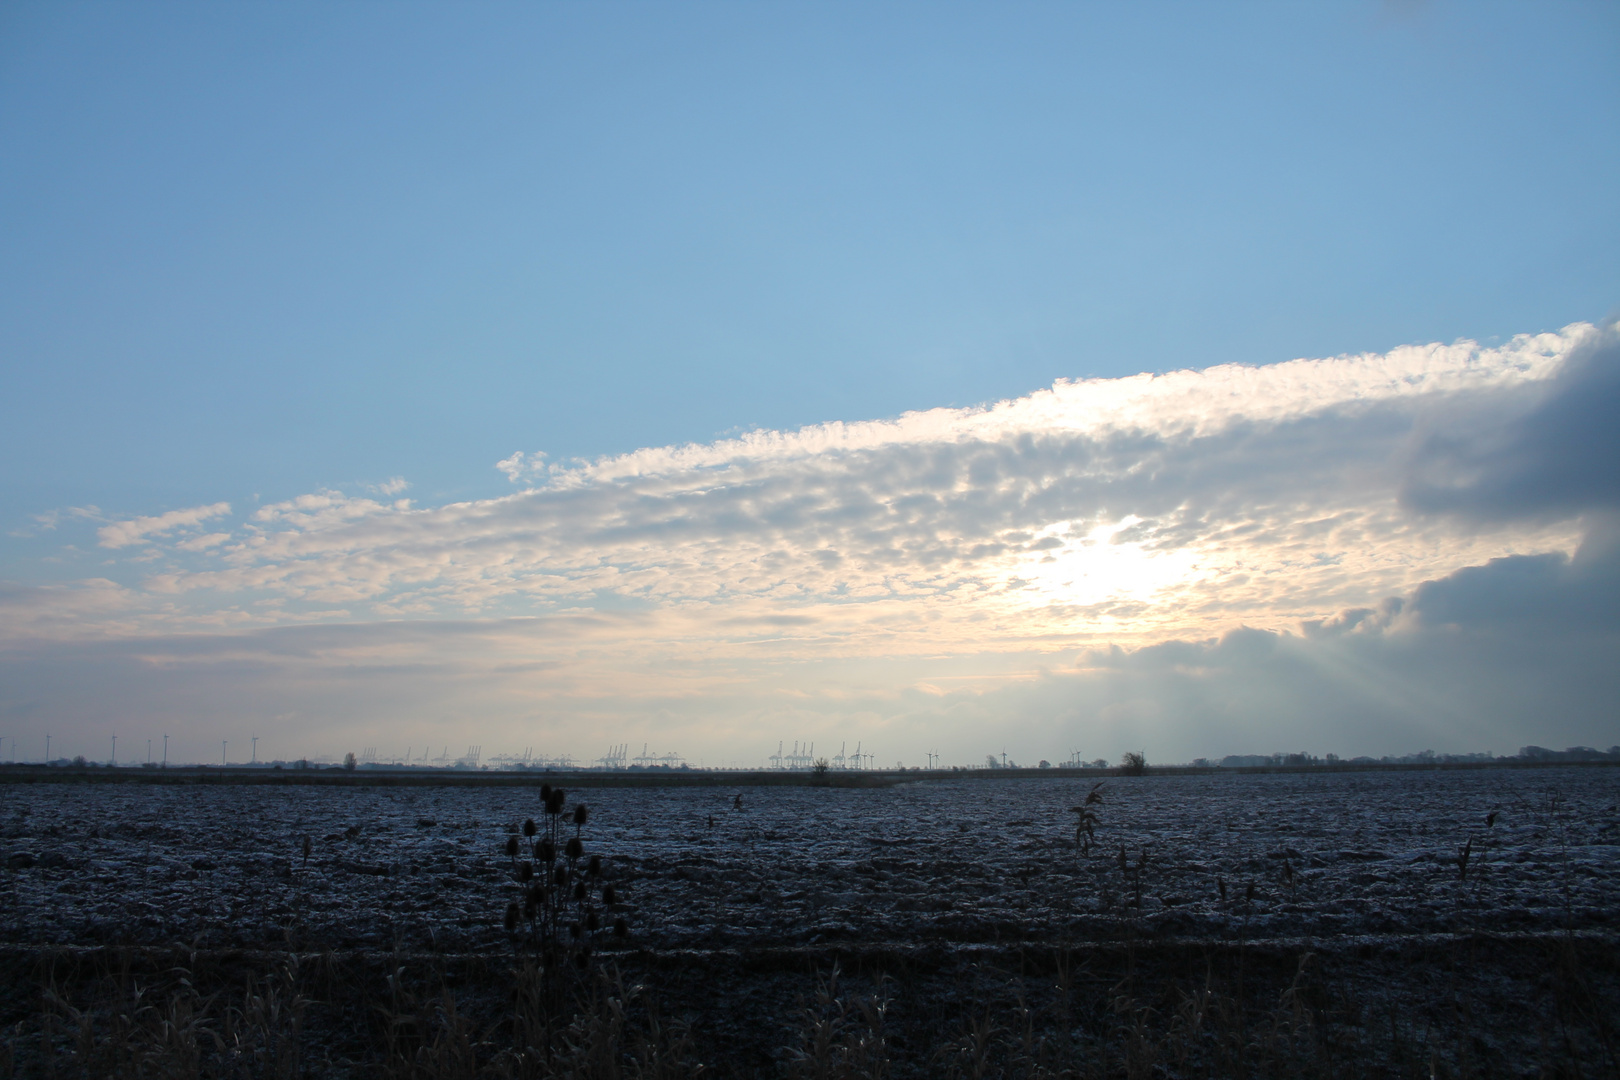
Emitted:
<point x="258" y="253"/>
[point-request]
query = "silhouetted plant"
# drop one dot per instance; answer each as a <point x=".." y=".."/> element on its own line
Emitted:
<point x="1133" y="762"/>
<point x="563" y="898"/>
<point x="1085" y="831"/>
<point x="556" y="925"/>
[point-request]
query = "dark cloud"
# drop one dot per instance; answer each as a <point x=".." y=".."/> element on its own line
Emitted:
<point x="1520" y="650"/>
<point x="1524" y="592"/>
<point x="1501" y="460"/>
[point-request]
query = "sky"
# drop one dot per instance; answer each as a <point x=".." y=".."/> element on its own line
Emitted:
<point x="1048" y="379"/>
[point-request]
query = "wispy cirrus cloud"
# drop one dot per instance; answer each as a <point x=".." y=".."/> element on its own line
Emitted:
<point x="392" y="486"/>
<point x="143" y="529"/>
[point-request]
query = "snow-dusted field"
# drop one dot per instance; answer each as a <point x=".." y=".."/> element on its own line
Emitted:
<point x="974" y="860"/>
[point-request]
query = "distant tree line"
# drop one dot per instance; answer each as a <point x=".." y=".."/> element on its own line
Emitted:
<point x="1422" y="757"/>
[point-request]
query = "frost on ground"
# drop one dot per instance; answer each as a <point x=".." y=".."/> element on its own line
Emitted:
<point x="1319" y="856"/>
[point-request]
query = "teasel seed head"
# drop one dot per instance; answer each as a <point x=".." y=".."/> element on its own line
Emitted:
<point x="574" y="930"/>
<point x="620" y="927"/>
<point x="525" y="870"/>
<point x="547" y="851"/>
<point x="580" y="814"/>
<point x="512" y="916"/>
<point x="582" y="959"/>
<point x="545" y="793"/>
<point x="592" y="922"/>
<point x="610" y="895"/>
<point x="529" y="827"/>
<point x="511" y="847"/>
<point x="560" y="876"/>
<point x="554" y="805"/>
<point x="594" y="867"/>
<point x="579" y="890"/>
<point x="537" y="893"/>
<point x="574" y="848"/>
<point x="530" y="908"/>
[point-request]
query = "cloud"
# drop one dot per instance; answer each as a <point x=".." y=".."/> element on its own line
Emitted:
<point x="1127" y="509"/>
<point x="1522" y="649"/>
<point x="50" y="519"/>
<point x="1530" y="594"/>
<point x="392" y="486"/>
<point x="1448" y="667"/>
<point x="50" y="611"/>
<point x="520" y="465"/>
<point x="1181" y="405"/>
<point x="1422" y="539"/>
<point x="202" y="543"/>
<point x="1137" y="507"/>
<point x="1548" y="453"/>
<point x="142" y="529"/>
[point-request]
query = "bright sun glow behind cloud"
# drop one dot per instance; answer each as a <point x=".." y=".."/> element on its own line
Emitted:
<point x="1096" y="566"/>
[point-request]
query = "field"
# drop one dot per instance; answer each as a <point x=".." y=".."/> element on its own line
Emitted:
<point x="1392" y="923"/>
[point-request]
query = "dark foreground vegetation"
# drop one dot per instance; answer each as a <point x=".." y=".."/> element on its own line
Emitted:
<point x="1539" y="1005"/>
<point x="1265" y="926"/>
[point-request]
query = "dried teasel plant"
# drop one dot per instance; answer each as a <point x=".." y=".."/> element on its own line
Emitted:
<point x="564" y="900"/>
<point x="555" y="924"/>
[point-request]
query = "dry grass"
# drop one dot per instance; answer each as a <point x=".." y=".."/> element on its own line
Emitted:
<point x="1234" y="1011"/>
<point x="120" y="1024"/>
<point x="841" y="1037"/>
